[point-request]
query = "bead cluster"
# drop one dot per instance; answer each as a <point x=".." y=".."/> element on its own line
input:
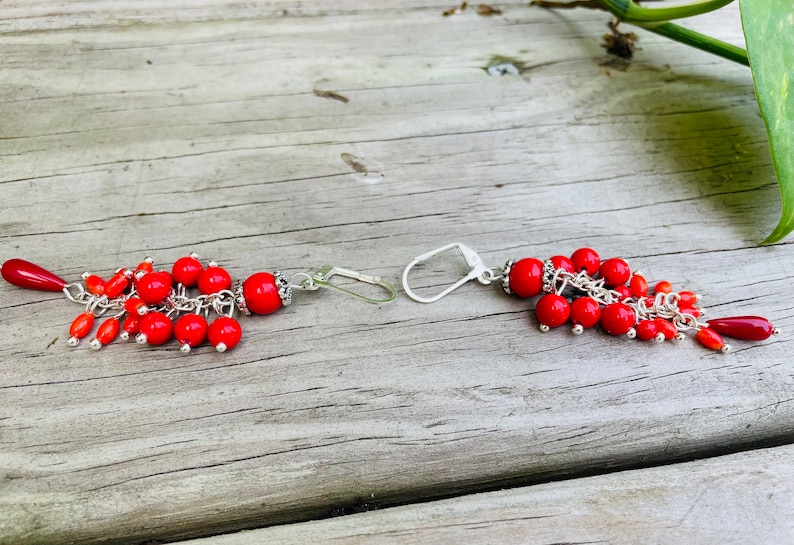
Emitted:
<point x="585" y="291"/>
<point x="154" y="306"/>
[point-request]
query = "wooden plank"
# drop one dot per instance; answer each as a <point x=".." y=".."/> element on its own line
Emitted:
<point x="122" y="140"/>
<point x="743" y="498"/>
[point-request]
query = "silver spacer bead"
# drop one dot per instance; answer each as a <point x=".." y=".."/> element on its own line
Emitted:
<point x="72" y="341"/>
<point x="212" y="264"/>
<point x="659" y="338"/>
<point x="95" y="344"/>
<point x="284" y="288"/>
<point x="631" y="333"/>
<point x="725" y="348"/>
<point x="124" y="336"/>
<point x="544" y="328"/>
<point x="140" y="338"/>
<point x="239" y="298"/>
<point x="506" y="277"/>
<point x="185" y="348"/>
<point x="577" y="329"/>
<point x="220" y="347"/>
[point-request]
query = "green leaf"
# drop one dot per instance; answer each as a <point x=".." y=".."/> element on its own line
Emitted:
<point x="769" y="34"/>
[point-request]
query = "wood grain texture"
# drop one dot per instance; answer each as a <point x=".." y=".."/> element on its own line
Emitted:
<point x="156" y="130"/>
<point x="743" y="498"/>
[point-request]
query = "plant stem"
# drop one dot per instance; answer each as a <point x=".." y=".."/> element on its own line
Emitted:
<point x="700" y="41"/>
<point x="630" y="12"/>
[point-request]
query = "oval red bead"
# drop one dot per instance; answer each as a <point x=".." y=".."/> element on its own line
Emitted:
<point x="666" y="328"/>
<point x="25" y="274"/>
<point x="190" y="329"/>
<point x="116" y="285"/>
<point x="224" y="333"/>
<point x="154" y="287"/>
<point x="81" y="326"/>
<point x="586" y="259"/>
<point x="552" y="310"/>
<point x="615" y="272"/>
<point x="710" y="338"/>
<point x="562" y="262"/>
<point x="663" y="286"/>
<point x="526" y="277"/>
<point x="646" y="330"/>
<point x="261" y="293"/>
<point x="585" y="311"/>
<point x="213" y="280"/>
<point x="623" y="291"/>
<point x="108" y="330"/>
<point x="638" y="286"/>
<point x="156" y="327"/>
<point x="617" y="319"/>
<point x="95" y="284"/>
<point x="749" y="328"/>
<point x="186" y="271"/>
<point x="132" y="324"/>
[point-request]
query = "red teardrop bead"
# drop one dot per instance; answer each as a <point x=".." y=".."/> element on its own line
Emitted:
<point x="526" y="277"/>
<point x="585" y="311"/>
<point x="617" y="318"/>
<point x="25" y="274"/>
<point x="615" y="272"/>
<point x="552" y="310"/>
<point x="261" y="293"/>
<point x="749" y="328"/>
<point x="710" y="338"/>
<point x="224" y="333"/>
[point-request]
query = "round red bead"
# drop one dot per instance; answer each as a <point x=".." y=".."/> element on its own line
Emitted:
<point x="663" y="286"/>
<point x="526" y="277"/>
<point x="261" y="293"/>
<point x="186" y="271"/>
<point x="213" y="280"/>
<point x="562" y="262"/>
<point x="615" y="272"/>
<point x="190" y="329"/>
<point x="224" y="333"/>
<point x="585" y="311"/>
<point x="552" y="310"/>
<point x="646" y="330"/>
<point x="25" y="274"/>
<point x="586" y="259"/>
<point x="155" y="328"/>
<point x="617" y="318"/>
<point x="153" y="288"/>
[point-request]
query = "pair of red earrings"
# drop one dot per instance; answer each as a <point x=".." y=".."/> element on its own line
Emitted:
<point x="585" y="292"/>
<point x="191" y="302"/>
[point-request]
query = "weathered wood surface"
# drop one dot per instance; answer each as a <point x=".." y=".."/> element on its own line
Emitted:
<point x="737" y="499"/>
<point x="175" y="127"/>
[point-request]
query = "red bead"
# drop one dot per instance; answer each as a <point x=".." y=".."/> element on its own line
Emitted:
<point x="155" y="328"/>
<point x="190" y="329"/>
<point x="261" y="293"/>
<point x="95" y="284"/>
<point x="552" y="310"/>
<point x="687" y="298"/>
<point x="224" y="333"/>
<point x="81" y="326"/>
<point x="116" y="285"/>
<point x="749" y="328"/>
<point x="585" y="311"/>
<point x="132" y="324"/>
<point x="617" y="318"/>
<point x="108" y="330"/>
<point x="562" y="262"/>
<point x="586" y="259"/>
<point x="710" y="338"/>
<point x="526" y="277"/>
<point x="639" y="286"/>
<point x="663" y="287"/>
<point x="25" y="274"/>
<point x="692" y="311"/>
<point x="144" y="267"/>
<point x="186" y="271"/>
<point x="213" y="280"/>
<point x="135" y="306"/>
<point x="615" y="272"/>
<point x="623" y="291"/>
<point x="666" y="328"/>
<point x="646" y="330"/>
<point x="154" y="287"/>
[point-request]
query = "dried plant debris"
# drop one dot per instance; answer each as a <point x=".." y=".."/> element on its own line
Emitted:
<point x="487" y="9"/>
<point x="331" y="95"/>
<point x="621" y="44"/>
<point x="354" y="162"/>
<point x="456" y="10"/>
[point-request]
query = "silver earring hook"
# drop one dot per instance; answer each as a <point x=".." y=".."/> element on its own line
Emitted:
<point x="478" y="270"/>
<point x="321" y="279"/>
